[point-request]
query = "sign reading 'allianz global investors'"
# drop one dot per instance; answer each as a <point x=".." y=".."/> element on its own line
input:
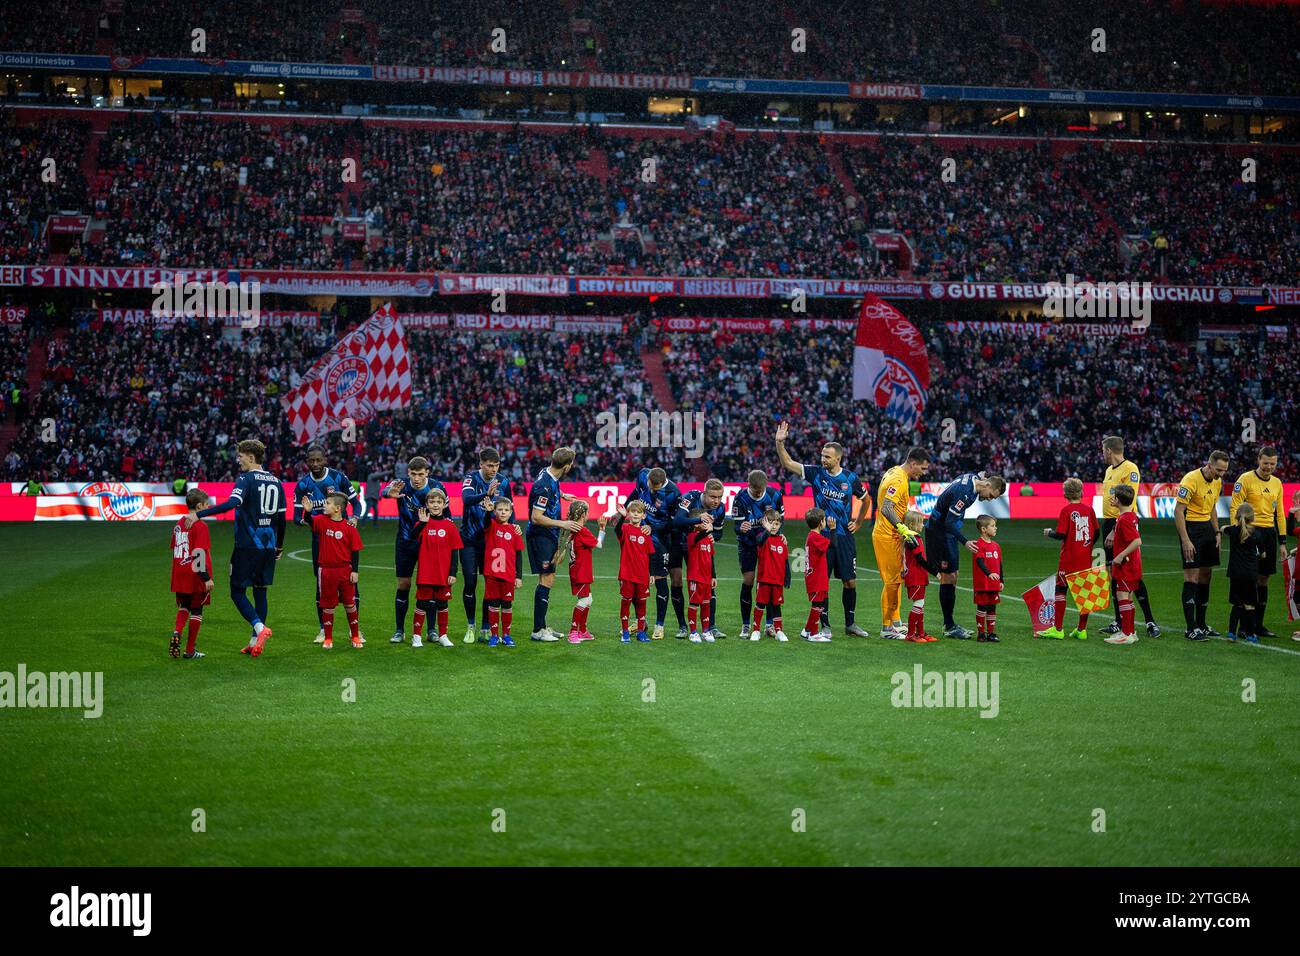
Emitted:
<point x="424" y="284"/>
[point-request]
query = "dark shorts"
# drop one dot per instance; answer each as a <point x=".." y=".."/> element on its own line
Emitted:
<point x="941" y="549"/>
<point x="1269" y="544"/>
<point x="842" y="557"/>
<point x="676" y="554"/>
<point x="252" y="567"/>
<point x="405" y="557"/>
<point x="1201" y="534"/>
<point x="748" y="557"/>
<point x="541" y="555"/>
<point x="1243" y="591"/>
<point x="471" y="559"/>
<point x="193" y="602"/>
<point x="659" y="563"/>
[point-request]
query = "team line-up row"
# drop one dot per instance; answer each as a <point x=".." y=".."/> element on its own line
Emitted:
<point x="667" y="538"/>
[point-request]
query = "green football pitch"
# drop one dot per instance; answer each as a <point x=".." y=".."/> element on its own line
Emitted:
<point x="1166" y="752"/>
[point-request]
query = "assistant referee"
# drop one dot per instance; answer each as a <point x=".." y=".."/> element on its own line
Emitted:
<point x="1197" y="521"/>
<point x="1262" y="490"/>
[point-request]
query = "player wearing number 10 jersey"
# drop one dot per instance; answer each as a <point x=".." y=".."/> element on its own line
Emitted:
<point x="259" y="503"/>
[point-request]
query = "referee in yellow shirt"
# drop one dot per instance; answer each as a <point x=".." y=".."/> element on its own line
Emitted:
<point x="891" y="505"/>
<point x="1262" y="490"/>
<point x="1120" y="471"/>
<point x="1197" y="520"/>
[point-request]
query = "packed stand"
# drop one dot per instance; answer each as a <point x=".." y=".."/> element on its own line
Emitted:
<point x="32" y="188"/>
<point x="1025" y="408"/>
<point x="1155" y="45"/>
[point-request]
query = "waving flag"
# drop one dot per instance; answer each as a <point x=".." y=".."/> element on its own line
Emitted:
<point x="1039" y="601"/>
<point x="890" y="362"/>
<point x="366" y="372"/>
<point x="1091" y="589"/>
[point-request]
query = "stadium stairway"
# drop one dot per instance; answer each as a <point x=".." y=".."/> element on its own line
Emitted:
<point x="36" y="361"/>
<point x="596" y="164"/>
<point x="836" y="161"/>
<point x="652" y="363"/>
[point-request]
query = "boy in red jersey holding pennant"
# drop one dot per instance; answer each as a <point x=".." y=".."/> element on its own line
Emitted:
<point x="340" y="560"/>
<point x="502" y="572"/>
<point x="773" y="567"/>
<point x="191" y="574"/>
<point x="636" y="547"/>
<point x="1126" y="566"/>
<point x="916" y="578"/>
<point x="578" y="547"/>
<point x="440" y="545"/>
<point x="987" y="579"/>
<point x="1076" y="529"/>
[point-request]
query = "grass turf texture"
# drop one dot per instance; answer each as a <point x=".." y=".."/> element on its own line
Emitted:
<point x="739" y="735"/>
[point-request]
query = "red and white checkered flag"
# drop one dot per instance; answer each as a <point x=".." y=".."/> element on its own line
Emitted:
<point x="365" y="372"/>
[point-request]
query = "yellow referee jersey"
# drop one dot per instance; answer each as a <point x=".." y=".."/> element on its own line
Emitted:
<point x="1125" y="473"/>
<point x="1264" y="496"/>
<point x="1200" y="496"/>
<point x="893" y="487"/>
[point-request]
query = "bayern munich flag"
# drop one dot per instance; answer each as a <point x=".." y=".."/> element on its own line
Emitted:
<point x="890" y="362"/>
<point x="365" y="372"/>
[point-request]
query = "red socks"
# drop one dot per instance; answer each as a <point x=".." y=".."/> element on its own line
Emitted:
<point x="195" y="621"/>
<point x="419" y="623"/>
<point x="622" y="611"/>
<point x="814" y="620"/>
<point x="640" y="614"/>
<point x="179" y="626"/>
<point x="1126" y="615"/>
<point x="442" y="621"/>
<point x="327" y="621"/>
<point x="916" y="621"/>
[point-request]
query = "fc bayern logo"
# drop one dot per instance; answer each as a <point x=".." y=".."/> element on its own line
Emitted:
<point x="1225" y="295"/>
<point x="117" y="502"/>
<point x="936" y="290"/>
<point x="347" y="378"/>
<point x="1047" y="615"/>
<point x="896" y="386"/>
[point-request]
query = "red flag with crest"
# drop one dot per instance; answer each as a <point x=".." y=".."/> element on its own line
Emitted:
<point x="890" y="363"/>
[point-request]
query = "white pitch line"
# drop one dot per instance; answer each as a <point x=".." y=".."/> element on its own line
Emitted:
<point x="297" y="556"/>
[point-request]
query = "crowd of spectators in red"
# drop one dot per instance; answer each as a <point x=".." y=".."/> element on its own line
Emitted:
<point x="1150" y="45"/>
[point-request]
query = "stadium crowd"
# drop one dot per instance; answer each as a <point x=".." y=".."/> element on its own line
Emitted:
<point x="1021" y="407"/>
<point x="186" y="191"/>
<point x="160" y="403"/>
<point x="41" y="175"/>
<point x="1156" y="45"/>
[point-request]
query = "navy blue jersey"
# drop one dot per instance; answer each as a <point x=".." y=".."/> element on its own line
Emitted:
<point x="659" y="506"/>
<point x="746" y="507"/>
<point x="473" y="491"/>
<point x="317" y="488"/>
<point x="950" y="507"/>
<point x="409" y="503"/>
<point x="834" y="494"/>
<point x="259" y="502"/>
<point x="544" y="495"/>
<point x="683" y="523"/>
